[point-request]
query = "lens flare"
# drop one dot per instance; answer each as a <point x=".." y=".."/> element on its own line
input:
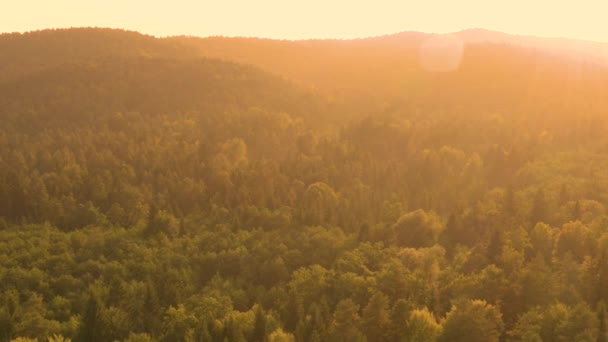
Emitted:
<point x="441" y="53"/>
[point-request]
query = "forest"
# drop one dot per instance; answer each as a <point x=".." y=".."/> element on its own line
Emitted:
<point x="244" y="189"/>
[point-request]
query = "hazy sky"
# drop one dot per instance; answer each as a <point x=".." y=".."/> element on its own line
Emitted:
<point x="291" y="19"/>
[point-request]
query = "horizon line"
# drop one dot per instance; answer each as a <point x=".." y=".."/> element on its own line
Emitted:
<point x="312" y="38"/>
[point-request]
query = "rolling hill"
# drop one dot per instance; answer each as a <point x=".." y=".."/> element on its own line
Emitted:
<point x="401" y="187"/>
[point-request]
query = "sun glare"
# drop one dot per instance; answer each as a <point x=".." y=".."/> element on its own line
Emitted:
<point x="278" y="19"/>
<point x="441" y="53"/>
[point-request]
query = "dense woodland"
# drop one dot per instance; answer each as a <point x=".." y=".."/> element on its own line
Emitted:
<point x="186" y="189"/>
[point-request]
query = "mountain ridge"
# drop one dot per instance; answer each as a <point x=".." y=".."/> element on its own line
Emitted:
<point x="574" y="48"/>
<point x="365" y="75"/>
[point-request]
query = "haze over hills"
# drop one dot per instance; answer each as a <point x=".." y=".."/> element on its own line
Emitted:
<point x="578" y="49"/>
<point x="394" y="188"/>
<point x="370" y="73"/>
<point x="361" y="75"/>
<point x="387" y="49"/>
<point x="389" y="69"/>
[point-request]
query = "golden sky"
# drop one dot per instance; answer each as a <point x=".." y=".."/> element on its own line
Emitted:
<point x="298" y="19"/>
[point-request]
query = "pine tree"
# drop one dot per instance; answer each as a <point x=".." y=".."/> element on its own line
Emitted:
<point x="376" y="318"/>
<point x="494" y="249"/>
<point x="576" y="211"/>
<point x="259" y="325"/>
<point x="399" y="316"/>
<point x="509" y="204"/>
<point x="601" y="316"/>
<point x="539" y="208"/>
<point x="345" y="323"/>
<point x="91" y="326"/>
<point x="151" y="310"/>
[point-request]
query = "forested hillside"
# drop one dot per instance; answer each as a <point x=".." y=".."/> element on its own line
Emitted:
<point x="307" y="191"/>
<point x="385" y="70"/>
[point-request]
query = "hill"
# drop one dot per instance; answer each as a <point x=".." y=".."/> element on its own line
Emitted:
<point x="404" y="187"/>
<point x="494" y="71"/>
<point x="589" y="51"/>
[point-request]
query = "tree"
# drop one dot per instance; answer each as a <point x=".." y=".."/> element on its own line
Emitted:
<point x="601" y="317"/>
<point x="422" y="326"/>
<point x="116" y="324"/>
<point x="308" y="284"/>
<point x="494" y="249"/>
<point x="472" y="321"/>
<point x="376" y="318"/>
<point x="91" y="328"/>
<point x="32" y="321"/>
<point x="576" y="211"/>
<point x="542" y="239"/>
<point x="537" y="283"/>
<point x="320" y="203"/>
<point x="400" y="314"/>
<point x="259" y="325"/>
<point x="509" y="204"/>
<point x="178" y="324"/>
<point x="453" y="233"/>
<point x="161" y="221"/>
<point x="314" y="326"/>
<point x="393" y="279"/>
<point x="581" y="324"/>
<point x="345" y="323"/>
<point x="573" y="238"/>
<point x="141" y="337"/>
<point x="540" y="210"/>
<point x="417" y="229"/>
<point x="235" y="152"/>
<point x="280" y="336"/>
<point x="58" y="338"/>
<point x="151" y="310"/>
<point x="233" y="330"/>
<point x="557" y="322"/>
<point x="528" y="327"/>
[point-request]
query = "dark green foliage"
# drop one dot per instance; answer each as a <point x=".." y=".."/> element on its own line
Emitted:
<point x="91" y="327"/>
<point x="474" y="321"/>
<point x="539" y="208"/>
<point x="376" y="318"/>
<point x="601" y="317"/>
<point x="417" y="229"/>
<point x="259" y="326"/>
<point x="150" y="315"/>
<point x="345" y="323"/>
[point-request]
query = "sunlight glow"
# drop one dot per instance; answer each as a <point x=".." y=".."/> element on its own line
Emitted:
<point x="584" y="19"/>
<point x="441" y="53"/>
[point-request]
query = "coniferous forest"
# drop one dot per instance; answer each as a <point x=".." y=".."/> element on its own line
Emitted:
<point x="243" y="189"/>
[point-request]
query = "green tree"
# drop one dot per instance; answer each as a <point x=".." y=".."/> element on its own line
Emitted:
<point x="528" y="327"/>
<point x="320" y="203"/>
<point x="601" y="317"/>
<point x="259" y="326"/>
<point x="422" y="326"/>
<point x="345" y="323"/>
<point x="542" y="238"/>
<point x="151" y="310"/>
<point x="178" y="324"/>
<point x="280" y="336"/>
<point x="400" y="314"/>
<point x="574" y="238"/>
<point x="91" y="327"/>
<point x="472" y="320"/>
<point x="376" y="318"/>
<point x="540" y="210"/>
<point x="418" y="229"/>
